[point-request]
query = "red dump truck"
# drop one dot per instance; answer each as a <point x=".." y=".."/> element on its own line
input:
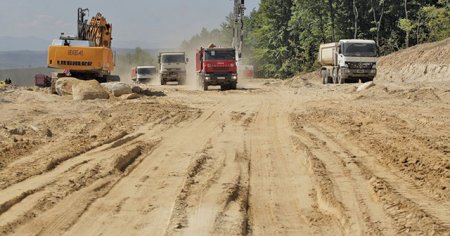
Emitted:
<point x="217" y="66"/>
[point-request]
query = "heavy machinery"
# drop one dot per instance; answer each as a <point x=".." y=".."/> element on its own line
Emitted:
<point x="89" y="54"/>
<point x="172" y="67"/>
<point x="348" y="61"/>
<point x="216" y="66"/>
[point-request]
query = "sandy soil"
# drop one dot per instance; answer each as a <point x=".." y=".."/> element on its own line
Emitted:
<point x="272" y="158"/>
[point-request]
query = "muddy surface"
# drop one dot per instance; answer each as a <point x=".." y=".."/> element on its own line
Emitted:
<point x="272" y="158"/>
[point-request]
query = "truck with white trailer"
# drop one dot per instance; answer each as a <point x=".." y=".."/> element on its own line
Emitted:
<point x="348" y="60"/>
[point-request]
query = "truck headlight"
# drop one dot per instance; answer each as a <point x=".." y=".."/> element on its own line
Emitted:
<point x="207" y="78"/>
<point x="374" y="66"/>
<point x="234" y="77"/>
<point x="373" y="71"/>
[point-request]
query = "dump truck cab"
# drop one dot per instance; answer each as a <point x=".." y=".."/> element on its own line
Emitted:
<point x="143" y="74"/>
<point x="348" y="61"/>
<point x="172" y="67"/>
<point x="217" y="66"/>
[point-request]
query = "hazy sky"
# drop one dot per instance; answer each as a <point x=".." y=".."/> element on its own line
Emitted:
<point x="160" y="23"/>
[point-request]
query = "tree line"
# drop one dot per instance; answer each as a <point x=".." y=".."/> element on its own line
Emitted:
<point x="282" y="37"/>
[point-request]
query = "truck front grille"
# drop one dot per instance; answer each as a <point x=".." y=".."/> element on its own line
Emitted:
<point x="360" y="65"/>
<point x="220" y="68"/>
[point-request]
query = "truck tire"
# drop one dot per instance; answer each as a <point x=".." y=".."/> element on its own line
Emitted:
<point x="340" y="79"/>
<point x="324" y="76"/>
<point x="205" y="86"/>
<point x="233" y="86"/>
<point x="163" y="82"/>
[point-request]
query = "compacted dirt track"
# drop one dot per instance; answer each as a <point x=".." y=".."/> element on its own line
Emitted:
<point x="271" y="158"/>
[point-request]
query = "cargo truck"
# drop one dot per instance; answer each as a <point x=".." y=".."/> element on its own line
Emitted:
<point x="143" y="74"/>
<point x="348" y="61"/>
<point x="172" y="67"/>
<point x="216" y="66"/>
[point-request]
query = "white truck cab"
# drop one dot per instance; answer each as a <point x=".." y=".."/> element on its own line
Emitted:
<point x="143" y="74"/>
<point x="172" y="67"/>
<point x="348" y="60"/>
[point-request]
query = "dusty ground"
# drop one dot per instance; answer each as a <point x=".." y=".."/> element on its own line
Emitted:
<point x="272" y="158"/>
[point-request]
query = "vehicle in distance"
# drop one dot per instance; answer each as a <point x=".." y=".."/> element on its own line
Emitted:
<point x="216" y="66"/>
<point x="348" y="61"/>
<point x="89" y="54"/>
<point x="143" y="74"/>
<point x="172" y="67"/>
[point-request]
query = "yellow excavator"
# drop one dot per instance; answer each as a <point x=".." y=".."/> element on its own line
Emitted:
<point x="89" y="54"/>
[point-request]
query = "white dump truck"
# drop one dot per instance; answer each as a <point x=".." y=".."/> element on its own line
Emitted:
<point x="143" y="74"/>
<point x="348" y="61"/>
<point x="172" y="67"/>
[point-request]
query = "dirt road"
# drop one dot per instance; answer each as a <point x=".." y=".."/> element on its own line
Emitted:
<point x="272" y="158"/>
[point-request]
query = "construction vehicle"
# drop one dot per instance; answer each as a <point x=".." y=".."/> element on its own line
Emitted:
<point x="172" y="67"/>
<point x="89" y="54"/>
<point x="348" y="61"/>
<point x="216" y="66"/>
<point x="143" y="74"/>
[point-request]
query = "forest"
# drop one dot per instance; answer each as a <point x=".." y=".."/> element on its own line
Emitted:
<point x="282" y="37"/>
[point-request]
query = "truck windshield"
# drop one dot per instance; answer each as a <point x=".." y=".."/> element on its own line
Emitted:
<point x="173" y="59"/>
<point x="222" y="55"/>
<point x="360" y="50"/>
<point x="146" y="71"/>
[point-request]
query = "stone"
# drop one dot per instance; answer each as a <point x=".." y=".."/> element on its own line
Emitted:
<point x="365" y="86"/>
<point x="118" y="88"/>
<point x="130" y="96"/>
<point x="63" y="86"/>
<point x="89" y="90"/>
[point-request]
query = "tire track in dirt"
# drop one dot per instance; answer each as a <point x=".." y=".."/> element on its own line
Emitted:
<point x="438" y="210"/>
<point x="281" y="201"/>
<point x="214" y="198"/>
<point x="149" y="201"/>
<point x="417" y="153"/>
<point x="81" y="186"/>
<point x="23" y="166"/>
<point x="340" y="186"/>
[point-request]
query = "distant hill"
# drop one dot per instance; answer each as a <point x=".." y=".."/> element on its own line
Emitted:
<point x="36" y="59"/>
<point x="23" y="59"/>
<point x="8" y="43"/>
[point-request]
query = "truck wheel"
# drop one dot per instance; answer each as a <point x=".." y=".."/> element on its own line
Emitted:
<point x="324" y="77"/>
<point x="341" y="80"/>
<point x="205" y="86"/>
<point x="233" y="86"/>
<point x="335" y="80"/>
<point x="163" y="82"/>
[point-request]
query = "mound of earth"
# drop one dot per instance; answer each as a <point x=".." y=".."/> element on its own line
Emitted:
<point x="422" y="63"/>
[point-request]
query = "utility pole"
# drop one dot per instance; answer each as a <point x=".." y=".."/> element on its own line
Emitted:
<point x="238" y="28"/>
